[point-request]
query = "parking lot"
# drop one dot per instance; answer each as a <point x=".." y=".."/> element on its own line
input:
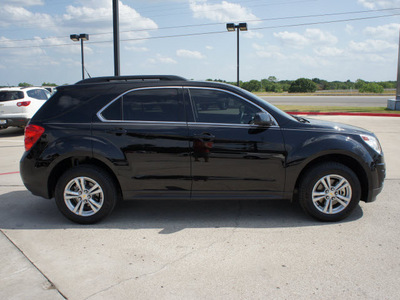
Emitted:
<point x="200" y="249"/>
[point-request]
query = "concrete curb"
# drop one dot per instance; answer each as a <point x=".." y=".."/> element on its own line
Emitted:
<point x="342" y="114"/>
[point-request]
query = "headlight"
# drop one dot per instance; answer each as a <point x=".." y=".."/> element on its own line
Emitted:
<point x="372" y="142"/>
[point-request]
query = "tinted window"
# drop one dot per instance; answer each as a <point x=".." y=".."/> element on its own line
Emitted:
<point x="153" y="105"/>
<point x="114" y="111"/>
<point x="213" y="106"/>
<point x="38" y="94"/>
<point x="11" y="95"/>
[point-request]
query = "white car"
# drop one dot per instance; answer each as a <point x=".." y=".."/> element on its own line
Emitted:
<point x="19" y="104"/>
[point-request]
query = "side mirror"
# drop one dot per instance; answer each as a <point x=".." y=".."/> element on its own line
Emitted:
<point x="263" y="119"/>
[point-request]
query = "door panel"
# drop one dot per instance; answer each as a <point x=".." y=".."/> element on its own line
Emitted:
<point x="236" y="160"/>
<point x="152" y="135"/>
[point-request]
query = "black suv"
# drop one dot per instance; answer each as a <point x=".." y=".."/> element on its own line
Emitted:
<point x="152" y="137"/>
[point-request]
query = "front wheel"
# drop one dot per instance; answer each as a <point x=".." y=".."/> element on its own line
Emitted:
<point x="86" y="194"/>
<point x="329" y="191"/>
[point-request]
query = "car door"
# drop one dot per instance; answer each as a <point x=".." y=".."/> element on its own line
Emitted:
<point x="148" y="127"/>
<point x="231" y="157"/>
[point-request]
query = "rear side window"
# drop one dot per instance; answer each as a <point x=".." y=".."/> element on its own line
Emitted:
<point x="38" y="94"/>
<point x="11" y="95"/>
<point x="163" y="104"/>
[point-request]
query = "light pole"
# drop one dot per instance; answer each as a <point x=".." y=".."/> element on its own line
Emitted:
<point x="239" y="27"/>
<point x="117" y="69"/>
<point x="82" y="37"/>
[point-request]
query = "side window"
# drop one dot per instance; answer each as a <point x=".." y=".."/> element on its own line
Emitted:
<point x="37" y="94"/>
<point x="47" y="94"/>
<point x="153" y="105"/>
<point x="213" y="106"/>
<point x="114" y="111"/>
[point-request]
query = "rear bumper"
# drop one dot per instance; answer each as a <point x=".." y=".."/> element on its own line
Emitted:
<point x="33" y="178"/>
<point x="17" y="122"/>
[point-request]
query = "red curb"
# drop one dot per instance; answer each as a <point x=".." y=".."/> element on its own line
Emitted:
<point x="9" y="173"/>
<point x="341" y="114"/>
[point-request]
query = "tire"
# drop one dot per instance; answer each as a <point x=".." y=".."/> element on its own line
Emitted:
<point x="86" y="194"/>
<point x="329" y="192"/>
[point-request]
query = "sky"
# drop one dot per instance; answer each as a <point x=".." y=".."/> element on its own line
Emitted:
<point x="331" y="40"/>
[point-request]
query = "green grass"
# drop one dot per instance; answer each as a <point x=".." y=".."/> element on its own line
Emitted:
<point x="388" y="92"/>
<point x="303" y="108"/>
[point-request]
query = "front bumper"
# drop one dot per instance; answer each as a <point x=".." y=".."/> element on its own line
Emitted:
<point x="378" y="178"/>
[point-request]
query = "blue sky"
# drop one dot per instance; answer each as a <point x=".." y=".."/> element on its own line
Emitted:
<point x="332" y="40"/>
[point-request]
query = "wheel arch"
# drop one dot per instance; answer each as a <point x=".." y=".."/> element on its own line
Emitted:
<point x="74" y="161"/>
<point x="348" y="161"/>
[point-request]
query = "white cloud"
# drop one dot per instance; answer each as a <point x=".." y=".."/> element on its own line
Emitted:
<point x="312" y="36"/>
<point x="388" y="31"/>
<point x="310" y="61"/>
<point x="374" y="4"/>
<point x="292" y="39"/>
<point x="11" y="15"/>
<point x="23" y="2"/>
<point x="161" y="59"/>
<point x="268" y="51"/>
<point x="252" y="34"/>
<point x="96" y="15"/>
<point x="189" y="54"/>
<point x="370" y="46"/>
<point x="316" y="35"/>
<point x="328" y="51"/>
<point x="209" y="47"/>
<point x="136" y="49"/>
<point x="221" y="12"/>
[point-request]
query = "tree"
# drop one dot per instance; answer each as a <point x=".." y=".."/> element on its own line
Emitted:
<point x="360" y="83"/>
<point x="252" y="85"/>
<point x="49" y="84"/>
<point x="24" y="84"/>
<point x="303" y="85"/>
<point x="371" y="87"/>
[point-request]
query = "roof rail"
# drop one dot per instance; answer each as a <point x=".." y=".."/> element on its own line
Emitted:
<point x="132" y="78"/>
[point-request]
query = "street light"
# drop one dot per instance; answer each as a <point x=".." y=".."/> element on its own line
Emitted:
<point x="82" y="37"/>
<point x="239" y="27"/>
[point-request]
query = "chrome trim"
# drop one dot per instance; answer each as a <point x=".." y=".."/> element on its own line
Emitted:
<point x="231" y="125"/>
<point x="143" y="122"/>
<point x="102" y="119"/>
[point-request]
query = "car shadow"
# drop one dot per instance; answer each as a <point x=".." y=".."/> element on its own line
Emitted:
<point x="11" y="132"/>
<point x="22" y="210"/>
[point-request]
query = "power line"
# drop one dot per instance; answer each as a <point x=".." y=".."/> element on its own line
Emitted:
<point x="220" y="23"/>
<point x="212" y="32"/>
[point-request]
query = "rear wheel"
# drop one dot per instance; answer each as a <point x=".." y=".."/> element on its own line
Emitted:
<point x="86" y="194"/>
<point x="329" y="191"/>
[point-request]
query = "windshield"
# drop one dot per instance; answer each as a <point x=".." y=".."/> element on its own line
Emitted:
<point x="11" y="95"/>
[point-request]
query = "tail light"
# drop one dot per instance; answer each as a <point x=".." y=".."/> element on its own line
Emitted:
<point x="32" y="134"/>
<point x="23" y="103"/>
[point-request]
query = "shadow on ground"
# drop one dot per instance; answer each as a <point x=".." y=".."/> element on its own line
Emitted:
<point x="11" y="132"/>
<point x="21" y="210"/>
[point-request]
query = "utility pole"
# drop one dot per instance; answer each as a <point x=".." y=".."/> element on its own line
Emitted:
<point x="116" y="37"/>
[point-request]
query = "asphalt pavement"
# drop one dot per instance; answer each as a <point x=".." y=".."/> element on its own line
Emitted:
<point x="200" y="249"/>
<point x="357" y="101"/>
